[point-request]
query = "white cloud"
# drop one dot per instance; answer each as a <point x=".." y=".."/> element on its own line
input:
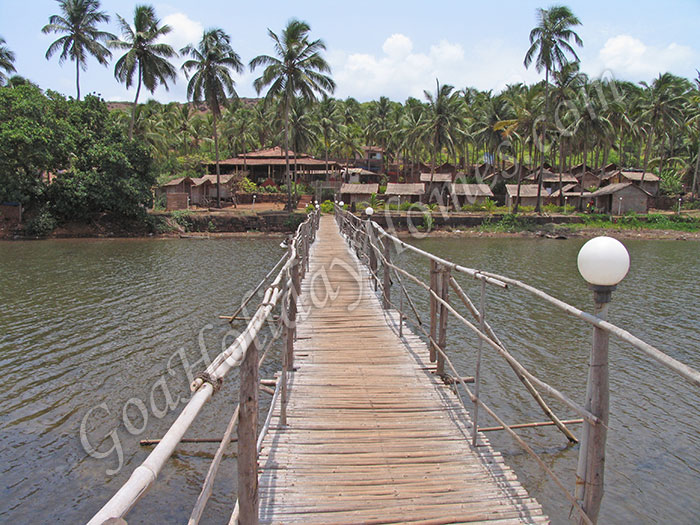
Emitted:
<point x="184" y="31"/>
<point x="398" y="46"/>
<point x="399" y="71"/>
<point x="626" y="55"/>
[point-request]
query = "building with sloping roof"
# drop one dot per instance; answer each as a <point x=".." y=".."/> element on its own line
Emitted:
<point x="621" y="198"/>
<point x="650" y="184"/>
<point x="270" y="163"/>
<point x="462" y="194"/>
<point x="410" y="192"/>
<point x="356" y="193"/>
<point x="528" y="195"/>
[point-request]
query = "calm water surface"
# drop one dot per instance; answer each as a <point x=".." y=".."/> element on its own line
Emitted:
<point x="87" y="324"/>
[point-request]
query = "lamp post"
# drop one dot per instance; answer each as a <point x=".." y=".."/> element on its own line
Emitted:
<point x="341" y="204"/>
<point x="252" y="208"/>
<point x="679" y="205"/>
<point x="603" y="262"/>
<point x="619" y="206"/>
<point x="566" y="201"/>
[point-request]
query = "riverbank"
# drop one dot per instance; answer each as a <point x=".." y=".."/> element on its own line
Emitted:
<point x="246" y="222"/>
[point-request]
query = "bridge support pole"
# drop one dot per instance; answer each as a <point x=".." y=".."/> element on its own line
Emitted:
<point x="387" y="275"/>
<point x="443" y="290"/>
<point x="372" y="255"/>
<point x="292" y="315"/>
<point x="433" y="309"/>
<point x="248" y="502"/>
<point x="591" y="463"/>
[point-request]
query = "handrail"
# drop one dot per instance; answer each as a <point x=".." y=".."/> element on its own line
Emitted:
<point x="361" y="235"/>
<point x="203" y="386"/>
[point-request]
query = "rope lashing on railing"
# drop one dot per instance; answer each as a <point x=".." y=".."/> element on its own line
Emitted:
<point x="215" y="382"/>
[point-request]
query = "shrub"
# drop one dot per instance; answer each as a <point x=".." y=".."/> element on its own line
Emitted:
<point x="327" y="207"/>
<point x="248" y="186"/>
<point x="42" y="224"/>
<point x="183" y="218"/>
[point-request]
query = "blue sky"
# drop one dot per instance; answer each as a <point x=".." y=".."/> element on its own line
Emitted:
<point x="392" y="48"/>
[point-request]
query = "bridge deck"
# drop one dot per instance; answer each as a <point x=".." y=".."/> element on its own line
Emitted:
<point x="373" y="436"/>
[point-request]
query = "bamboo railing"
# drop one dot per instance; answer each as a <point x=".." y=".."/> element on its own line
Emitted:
<point x="244" y="352"/>
<point x="373" y="246"/>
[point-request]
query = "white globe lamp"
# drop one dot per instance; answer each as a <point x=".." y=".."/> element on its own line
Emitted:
<point x="603" y="262"/>
<point x="341" y="204"/>
<point x="369" y="211"/>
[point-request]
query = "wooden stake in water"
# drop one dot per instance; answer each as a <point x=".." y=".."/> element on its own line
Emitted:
<point x="477" y="372"/>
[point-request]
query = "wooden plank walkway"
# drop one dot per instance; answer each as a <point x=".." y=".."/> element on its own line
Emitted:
<point x="373" y="436"/>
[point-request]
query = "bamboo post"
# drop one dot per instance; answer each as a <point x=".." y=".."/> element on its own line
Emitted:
<point x="592" y="453"/>
<point x="285" y="356"/>
<point x="208" y="484"/>
<point x="387" y="276"/>
<point x="443" y="287"/>
<point x="372" y="260"/>
<point x="477" y="372"/>
<point x="247" y="438"/>
<point x="292" y="316"/>
<point x="401" y="315"/>
<point x="433" y="308"/>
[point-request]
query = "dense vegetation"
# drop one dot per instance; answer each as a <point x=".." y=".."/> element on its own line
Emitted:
<point x="81" y="146"/>
<point x="566" y="119"/>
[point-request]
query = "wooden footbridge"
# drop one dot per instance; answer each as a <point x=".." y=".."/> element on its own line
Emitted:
<point x="368" y="421"/>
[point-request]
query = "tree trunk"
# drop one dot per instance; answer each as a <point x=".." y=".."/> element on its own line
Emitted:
<point x="538" y="208"/>
<point x="646" y="154"/>
<point x="218" y="170"/>
<point x="133" y="110"/>
<point x="77" y="77"/>
<point x="622" y="149"/>
<point x="694" y="188"/>
<point x="520" y="178"/>
<point x="585" y="152"/>
<point x="290" y="208"/>
<point x="561" y="170"/>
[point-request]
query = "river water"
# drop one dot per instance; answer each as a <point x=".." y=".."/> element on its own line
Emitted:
<point x="93" y="335"/>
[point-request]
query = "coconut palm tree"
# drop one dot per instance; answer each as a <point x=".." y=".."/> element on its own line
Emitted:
<point x="79" y="21"/>
<point x="7" y="59"/>
<point x="442" y="119"/>
<point x="302" y="130"/>
<point x="549" y="49"/>
<point x="661" y="106"/>
<point x="144" y="56"/>
<point x="211" y="82"/>
<point x="298" y="69"/>
<point x="329" y="121"/>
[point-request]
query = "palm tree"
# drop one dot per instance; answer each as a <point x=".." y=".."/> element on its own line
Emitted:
<point x="7" y="59"/>
<point x="82" y="38"/>
<point x="298" y="69"/>
<point x="661" y="107"/>
<point x="143" y="54"/>
<point x="549" y="41"/>
<point x="442" y="119"/>
<point x="212" y="60"/>
<point x="329" y="122"/>
<point x="302" y="130"/>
